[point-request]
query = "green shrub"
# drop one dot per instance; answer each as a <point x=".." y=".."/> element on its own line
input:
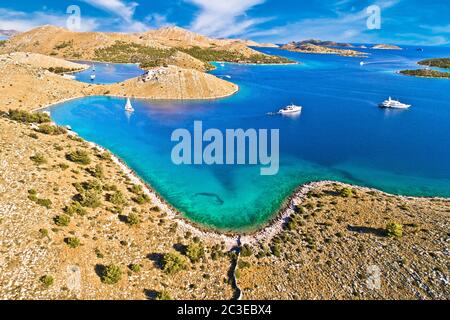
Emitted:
<point x="97" y="171"/>
<point x="142" y="199"/>
<point x="47" y="203"/>
<point x="133" y="219"/>
<point x="136" y="189"/>
<point x="163" y="295"/>
<point x="90" y="199"/>
<point x="135" y="267"/>
<point x="394" y="230"/>
<point x="43" y="233"/>
<point x="51" y="130"/>
<point x="276" y="250"/>
<point x="117" y="198"/>
<point x="195" y="252"/>
<point x="75" y="208"/>
<point x="216" y="252"/>
<point x="94" y="185"/>
<point x="62" y="220"/>
<point x="28" y="117"/>
<point x="79" y="156"/>
<point x="105" y="156"/>
<point x="111" y="274"/>
<point x="38" y="159"/>
<point x="243" y="264"/>
<point x="173" y="262"/>
<point x="72" y="242"/>
<point x="46" y="280"/>
<point x="346" y="192"/>
<point x="246" y="251"/>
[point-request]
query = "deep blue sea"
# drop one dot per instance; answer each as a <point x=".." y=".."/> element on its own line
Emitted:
<point x="341" y="134"/>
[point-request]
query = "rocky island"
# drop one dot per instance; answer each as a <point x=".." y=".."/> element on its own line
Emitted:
<point x="386" y="47"/>
<point x="320" y="49"/>
<point x="443" y="63"/>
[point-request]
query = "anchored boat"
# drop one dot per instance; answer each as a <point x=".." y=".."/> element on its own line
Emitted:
<point x="394" y="104"/>
<point x="290" y="109"/>
<point x="128" y="106"/>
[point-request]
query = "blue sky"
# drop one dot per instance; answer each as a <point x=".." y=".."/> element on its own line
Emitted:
<point x="416" y="22"/>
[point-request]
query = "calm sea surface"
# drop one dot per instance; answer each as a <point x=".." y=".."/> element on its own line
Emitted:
<point x="340" y="135"/>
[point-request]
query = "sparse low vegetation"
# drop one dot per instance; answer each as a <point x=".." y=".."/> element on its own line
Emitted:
<point x="38" y="159"/>
<point x="123" y="52"/>
<point x="133" y="219"/>
<point x="62" y="220"/>
<point x="195" y="252"/>
<point x="79" y="156"/>
<point x="46" y="280"/>
<point x="28" y="117"/>
<point x="163" y="295"/>
<point x="111" y="274"/>
<point x="173" y="262"/>
<point x="75" y="208"/>
<point x="346" y="192"/>
<point x="135" y="267"/>
<point x="62" y="70"/>
<point x="51" y="130"/>
<point x="394" y="230"/>
<point x="72" y="242"/>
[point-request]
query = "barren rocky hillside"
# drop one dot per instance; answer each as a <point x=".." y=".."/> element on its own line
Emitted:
<point x="27" y="84"/>
<point x="59" y="42"/>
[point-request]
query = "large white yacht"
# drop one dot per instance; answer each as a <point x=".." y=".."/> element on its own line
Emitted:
<point x="394" y="104"/>
<point x="290" y="109"/>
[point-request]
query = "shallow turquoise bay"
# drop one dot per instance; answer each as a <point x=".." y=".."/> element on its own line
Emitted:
<point x="341" y="134"/>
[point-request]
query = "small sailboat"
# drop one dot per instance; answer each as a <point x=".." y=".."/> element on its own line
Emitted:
<point x="128" y="106"/>
<point x="93" y="77"/>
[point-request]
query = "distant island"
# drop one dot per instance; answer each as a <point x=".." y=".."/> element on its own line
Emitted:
<point x="443" y="63"/>
<point x="8" y="33"/>
<point x="330" y="44"/>
<point x="386" y="47"/>
<point x="438" y="63"/>
<point x="426" y="73"/>
<point x="305" y="47"/>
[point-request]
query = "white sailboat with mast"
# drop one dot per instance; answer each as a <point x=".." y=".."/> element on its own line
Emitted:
<point x="129" y="106"/>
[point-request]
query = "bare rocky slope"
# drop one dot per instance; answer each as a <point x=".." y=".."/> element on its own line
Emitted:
<point x="59" y="42"/>
<point x="27" y="84"/>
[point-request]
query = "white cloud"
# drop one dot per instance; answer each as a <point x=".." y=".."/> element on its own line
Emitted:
<point x="156" y="20"/>
<point x="124" y="11"/>
<point x="117" y="7"/>
<point x="224" y="18"/>
<point x="21" y="21"/>
<point x="344" y="26"/>
<point x="437" y="29"/>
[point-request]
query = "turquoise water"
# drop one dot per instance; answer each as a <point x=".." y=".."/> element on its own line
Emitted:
<point x="108" y="73"/>
<point x="340" y="135"/>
